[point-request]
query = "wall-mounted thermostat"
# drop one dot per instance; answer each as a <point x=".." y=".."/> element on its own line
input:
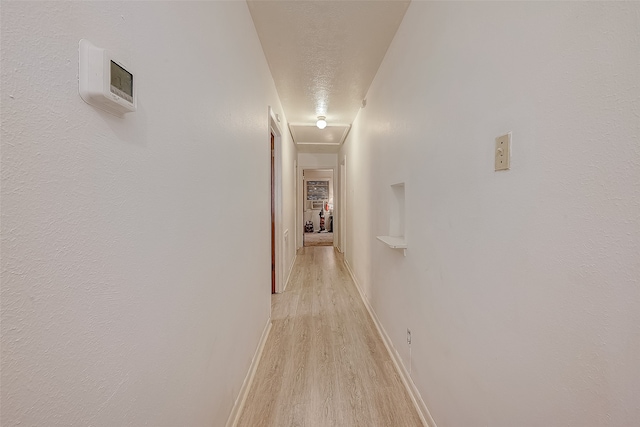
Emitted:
<point x="105" y="82"/>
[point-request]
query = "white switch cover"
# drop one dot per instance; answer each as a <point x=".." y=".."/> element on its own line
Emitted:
<point x="503" y="152"/>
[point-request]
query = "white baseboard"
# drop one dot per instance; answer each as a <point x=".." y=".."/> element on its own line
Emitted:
<point x="234" y="417"/>
<point x="286" y="282"/>
<point x="418" y="403"/>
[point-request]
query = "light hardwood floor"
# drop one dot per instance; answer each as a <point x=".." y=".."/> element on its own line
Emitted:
<point x="318" y="239"/>
<point x="324" y="363"/>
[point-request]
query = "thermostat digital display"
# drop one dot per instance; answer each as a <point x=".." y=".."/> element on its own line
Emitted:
<point x="105" y="82"/>
<point x="121" y="82"/>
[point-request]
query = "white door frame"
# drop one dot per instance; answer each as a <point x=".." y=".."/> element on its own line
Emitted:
<point x="274" y="128"/>
<point x="301" y="201"/>
<point x="342" y="206"/>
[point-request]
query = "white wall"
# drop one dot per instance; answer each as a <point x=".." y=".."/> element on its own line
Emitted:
<point x="135" y="272"/>
<point x="317" y="160"/>
<point x="521" y="287"/>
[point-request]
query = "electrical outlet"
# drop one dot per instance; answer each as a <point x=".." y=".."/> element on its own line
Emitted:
<point x="409" y="336"/>
<point x="503" y="152"/>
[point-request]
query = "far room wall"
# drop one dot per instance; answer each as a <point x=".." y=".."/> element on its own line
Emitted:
<point x="312" y="161"/>
<point x="310" y="213"/>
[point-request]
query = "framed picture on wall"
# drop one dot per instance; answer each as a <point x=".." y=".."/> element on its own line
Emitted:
<point x="317" y="190"/>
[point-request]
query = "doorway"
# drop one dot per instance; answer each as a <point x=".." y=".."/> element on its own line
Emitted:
<point x="318" y="220"/>
<point x="273" y="216"/>
<point x="278" y="236"/>
<point x="343" y="206"/>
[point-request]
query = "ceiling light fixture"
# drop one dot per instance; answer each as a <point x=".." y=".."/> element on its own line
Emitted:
<point x="321" y="123"/>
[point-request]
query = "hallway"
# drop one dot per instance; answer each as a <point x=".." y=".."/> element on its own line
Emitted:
<point x="137" y="250"/>
<point x="324" y="363"/>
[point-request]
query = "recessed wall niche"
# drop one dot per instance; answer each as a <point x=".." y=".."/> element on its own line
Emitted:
<point x="396" y="238"/>
<point x="396" y="214"/>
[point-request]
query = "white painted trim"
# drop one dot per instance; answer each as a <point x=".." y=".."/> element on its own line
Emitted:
<point x="418" y="402"/>
<point x="298" y="224"/>
<point x="274" y="127"/>
<point x="290" y="271"/>
<point x="236" y="411"/>
<point x="300" y="207"/>
<point x="341" y="206"/>
<point x="301" y="201"/>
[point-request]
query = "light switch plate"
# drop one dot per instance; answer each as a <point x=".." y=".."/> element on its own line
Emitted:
<point x="503" y="152"/>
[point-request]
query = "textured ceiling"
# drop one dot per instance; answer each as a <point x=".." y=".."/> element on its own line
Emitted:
<point x="323" y="55"/>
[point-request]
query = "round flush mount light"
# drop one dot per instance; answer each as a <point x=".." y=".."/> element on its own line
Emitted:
<point x="321" y="123"/>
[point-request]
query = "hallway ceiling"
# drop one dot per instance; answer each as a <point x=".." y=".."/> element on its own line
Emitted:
<point x="323" y="56"/>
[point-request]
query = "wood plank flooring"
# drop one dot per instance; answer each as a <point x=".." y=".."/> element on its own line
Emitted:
<point x="324" y="363"/>
<point x="318" y="239"/>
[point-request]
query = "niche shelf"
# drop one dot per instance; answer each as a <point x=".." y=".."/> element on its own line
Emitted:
<point x="396" y="238"/>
